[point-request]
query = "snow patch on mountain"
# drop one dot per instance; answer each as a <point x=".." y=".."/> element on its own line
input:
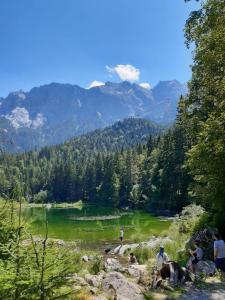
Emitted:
<point x="19" y="117"/>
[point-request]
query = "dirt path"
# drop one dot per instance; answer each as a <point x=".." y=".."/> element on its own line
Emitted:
<point x="213" y="289"/>
<point x="205" y="295"/>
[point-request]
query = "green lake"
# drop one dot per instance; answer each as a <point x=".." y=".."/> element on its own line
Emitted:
<point x="94" y="227"/>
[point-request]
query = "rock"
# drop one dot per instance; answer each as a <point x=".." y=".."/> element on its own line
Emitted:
<point x="140" y="273"/>
<point x="101" y="274"/>
<point x="113" y="264"/>
<point x="207" y="267"/>
<point x="100" y="297"/>
<point x="85" y="258"/>
<point x="152" y="243"/>
<point x="94" y="290"/>
<point x="127" y="247"/>
<point x="122" y="287"/>
<point x="59" y="242"/>
<point x="93" y="280"/>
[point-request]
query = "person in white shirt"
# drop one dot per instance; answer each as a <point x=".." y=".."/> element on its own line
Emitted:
<point x="121" y="235"/>
<point x="161" y="258"/>
<point x="219" y="253"/>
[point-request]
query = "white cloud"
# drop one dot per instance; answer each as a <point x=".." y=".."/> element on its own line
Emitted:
<point x="95" y="83"/>
<point x="125" y="72"/>
<point x="145" y="85"/>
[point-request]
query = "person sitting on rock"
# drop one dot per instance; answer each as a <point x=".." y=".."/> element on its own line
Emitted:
<point x="161" y="258"/>
<point x="132" y="259"/>
<point x="196" y="256"/>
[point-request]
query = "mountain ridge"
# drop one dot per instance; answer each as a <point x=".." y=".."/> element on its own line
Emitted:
<point x="55" y="112"/>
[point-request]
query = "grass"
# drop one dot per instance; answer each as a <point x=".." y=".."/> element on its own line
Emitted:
<point x="165" y="295"/>
<point x="82" y="295"/>
<point x="144" y="254"/>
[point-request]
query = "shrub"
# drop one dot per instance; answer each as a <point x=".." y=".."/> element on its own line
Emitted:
<point x="40" y="197"/>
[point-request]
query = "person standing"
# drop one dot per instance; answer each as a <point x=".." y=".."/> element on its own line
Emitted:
<point x="161" y="258"/>
<point x="121" y="235"/>
<point x="219" y="253"/>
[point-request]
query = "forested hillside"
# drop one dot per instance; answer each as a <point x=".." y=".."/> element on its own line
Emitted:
<point x="127" y="164"/>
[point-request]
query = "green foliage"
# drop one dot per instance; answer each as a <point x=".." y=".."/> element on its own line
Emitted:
<point x="40" y="197"/>
<point x="96" y="265"/>
<point x="204" y="112"/>
<point x="180" y="231"/>
<point x="32" y="269"/>
<point x="143" y="254"/>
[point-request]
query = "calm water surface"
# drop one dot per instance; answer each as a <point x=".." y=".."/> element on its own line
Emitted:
<point x="62" y="224"/>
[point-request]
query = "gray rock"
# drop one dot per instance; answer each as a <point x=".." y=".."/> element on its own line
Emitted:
<point x="122" y="287"/>
<point x="94" y="290"/>
<point x="207" y="267"/>
<point x="101" y="274"/>
<point x="139" y="272"/>
<point x="85" y="258"/>
<point x="113" y="264"/>
<point x="93" y="280"/>
<point x="120" y="250"/>
<point x="152" y="243"/>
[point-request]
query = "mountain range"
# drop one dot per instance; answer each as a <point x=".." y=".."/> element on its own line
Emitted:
<point x="52" y="113"/>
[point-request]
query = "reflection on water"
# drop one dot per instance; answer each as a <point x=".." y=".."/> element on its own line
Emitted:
<point x="70" y="224"/>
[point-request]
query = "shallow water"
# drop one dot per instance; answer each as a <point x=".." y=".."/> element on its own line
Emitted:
<point x="71" y="224"/>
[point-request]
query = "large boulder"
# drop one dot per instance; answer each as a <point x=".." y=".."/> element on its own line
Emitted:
<point x="118" y="285"/>
<point x="206" y="267"/>
<point x="140" y="273"/>
<point x="112" y="264"/>
<point x="152" y="243"/>
<point x="120" y="250"/>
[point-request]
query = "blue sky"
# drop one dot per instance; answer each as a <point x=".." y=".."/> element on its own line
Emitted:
<point x="72" y="41"/>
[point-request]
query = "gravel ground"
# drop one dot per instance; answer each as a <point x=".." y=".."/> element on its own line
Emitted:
<point x="214" y="290"/>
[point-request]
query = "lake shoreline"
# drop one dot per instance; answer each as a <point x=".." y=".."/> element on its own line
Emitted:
<point x="94" y="226"/>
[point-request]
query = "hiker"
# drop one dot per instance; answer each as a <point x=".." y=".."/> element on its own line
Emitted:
<point x="132" y="259"/>
<point x="219" y="253"/>
<point x="121" y="235"/>
<point x="161" y="258"/>
<point x="196" y="256"/>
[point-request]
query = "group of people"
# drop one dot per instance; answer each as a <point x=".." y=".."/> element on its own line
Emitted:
<point x="196" y="255"/>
